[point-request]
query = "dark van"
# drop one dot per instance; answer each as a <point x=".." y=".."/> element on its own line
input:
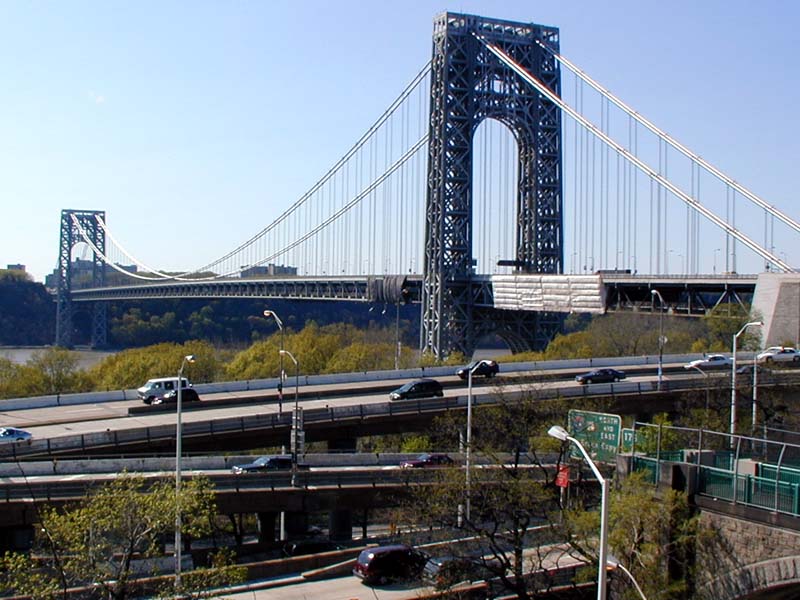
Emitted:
<point x="421" y="388"/>
<point x="383" y="564"/>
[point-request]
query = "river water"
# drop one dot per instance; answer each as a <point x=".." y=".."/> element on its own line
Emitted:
<point x="21" y="355"/>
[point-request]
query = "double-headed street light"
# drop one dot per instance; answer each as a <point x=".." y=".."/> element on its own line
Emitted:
<point x="560" y="433"/>
<point x="273" y="314"/>
<point x="660" y="336"/>
<point x="733" y="374"/>
<point x="296" y="416"/>
<point x="189" y="358"/>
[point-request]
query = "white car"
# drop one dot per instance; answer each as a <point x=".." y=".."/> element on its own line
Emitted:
<point x="712" y="361"/>
<point x="12" y="434"/>
<point x="779" y="354"/>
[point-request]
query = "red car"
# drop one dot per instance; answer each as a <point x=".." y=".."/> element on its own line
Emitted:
<point x="427" y="460"/>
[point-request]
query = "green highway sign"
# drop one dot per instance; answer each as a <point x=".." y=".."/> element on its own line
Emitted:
<point x="599" y="433"/>
<point x="628" y="436"/>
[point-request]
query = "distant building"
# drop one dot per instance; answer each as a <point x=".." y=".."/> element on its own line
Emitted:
<point x="269" y="270"/>
<point x="16" y="268"/>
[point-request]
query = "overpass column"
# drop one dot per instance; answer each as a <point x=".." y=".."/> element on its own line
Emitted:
<point x="296" y="524"/>
<point x="266" y="526"/>
<point x="340" y="524"/>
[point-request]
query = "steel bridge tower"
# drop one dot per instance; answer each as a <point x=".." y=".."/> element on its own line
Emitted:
<point x="70" y="235"/>
<point x="468" y="85"/>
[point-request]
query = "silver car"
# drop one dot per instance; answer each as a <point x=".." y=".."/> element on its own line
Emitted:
<point x="12" y="434"/>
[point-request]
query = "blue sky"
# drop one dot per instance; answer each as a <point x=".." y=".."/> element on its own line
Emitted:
<point x="213" y="116"/>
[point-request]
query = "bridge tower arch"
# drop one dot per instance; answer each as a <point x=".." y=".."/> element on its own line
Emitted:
<point x="468" y="85"/>
<point x="72" y="221"/>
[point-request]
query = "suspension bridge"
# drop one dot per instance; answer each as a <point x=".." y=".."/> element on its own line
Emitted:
<point x="503" y="188"/>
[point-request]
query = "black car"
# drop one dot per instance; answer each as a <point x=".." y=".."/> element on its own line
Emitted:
<point x="187" y="395"/>
<point x="486" y="368"/>
<point x="382" y="564"/>
<point x="446" y="571"/>
<point x="421" y="388"/>
<point x="600" y="376"/>
<point x="427" y="460"/>
<point x="268" y="463"/>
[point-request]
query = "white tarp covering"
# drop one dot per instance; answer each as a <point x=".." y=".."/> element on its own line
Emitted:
<point x="551" y="293"/>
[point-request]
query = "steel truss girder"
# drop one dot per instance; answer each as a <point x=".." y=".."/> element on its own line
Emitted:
<point x="468" y="85"/>
<point x="359" y="289"/>
<point x="70" y="236"/>
<point x="690" y="298"/>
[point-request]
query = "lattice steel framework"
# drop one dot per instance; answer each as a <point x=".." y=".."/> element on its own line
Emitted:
<point x="70" y="235"/>
<point x="468" y="85"/>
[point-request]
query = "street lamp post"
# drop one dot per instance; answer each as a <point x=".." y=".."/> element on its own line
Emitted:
<point x="615" y="564"/>
<point x="704" y="374"/>
<point x="560" y="433"/>
<point x="189" y="358"/>
<point x="268" y="314"/>
<point x="397" y="337"/>
<point x="715" y="260"/>
<point x="660" y="336"/>
<point x="469" y="435"/>
<point x="733" y="374"/>
<point x="295" y="427"/>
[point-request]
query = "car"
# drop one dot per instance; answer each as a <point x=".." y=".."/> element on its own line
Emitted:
<point x="446" y="571"/>
<point x="779" y="354"/>
<point x="427" y="460"/>
<point x="600" y="376"/>
<point x="282" y="462"/>
<point x="156" y="388"/>
<point x="382" y="564"/>
<point x="12" y="434"/>
<point x="420" y="388"/>
<point x="486" y="368"/>
<point x="187" y="395"/>
<point x="712" y="361"/>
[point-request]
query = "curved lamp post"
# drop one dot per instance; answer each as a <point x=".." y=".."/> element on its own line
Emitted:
<point x="469" y="435"/>
<point x="660" y="336"/>
<point x="273" y="314"/>
<point x="296" y="415"/>
<point x="704" y="374"/>
<point x="560" y="433"/>
<point x="189" y="358"/>
<point x="733" y="374"/>
<point x="615" y="564"/>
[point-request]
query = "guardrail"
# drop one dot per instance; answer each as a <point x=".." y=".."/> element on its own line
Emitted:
<point x="334" y="414"/>
<point x="307" y="380"/>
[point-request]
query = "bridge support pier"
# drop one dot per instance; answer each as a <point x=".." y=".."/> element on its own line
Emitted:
<point x="340" y="524"/>
<point x="266" y="526"/>
<point x="296" y="524"/>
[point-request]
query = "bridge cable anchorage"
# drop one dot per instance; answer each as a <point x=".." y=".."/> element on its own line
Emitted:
<point x="672" y="141"/>
<point x="542" y="89"/>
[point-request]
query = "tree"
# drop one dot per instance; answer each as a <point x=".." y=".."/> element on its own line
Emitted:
<point x="651" y="534"/>
<point x="58" y="368"/>
<point x="101" y="543"/>
<point x="506" y="499"/>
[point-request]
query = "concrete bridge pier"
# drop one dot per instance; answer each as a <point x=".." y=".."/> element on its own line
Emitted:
<point x="296" y="524"/>
<point x="340" y="524"/>
<point x="266" y="526"/>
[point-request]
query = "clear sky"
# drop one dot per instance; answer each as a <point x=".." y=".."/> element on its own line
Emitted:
<point x="213" y="116"/>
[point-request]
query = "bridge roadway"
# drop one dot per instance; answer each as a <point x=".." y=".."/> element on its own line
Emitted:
<point x="256" y="419"/>
<point x="683" y="294"/>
